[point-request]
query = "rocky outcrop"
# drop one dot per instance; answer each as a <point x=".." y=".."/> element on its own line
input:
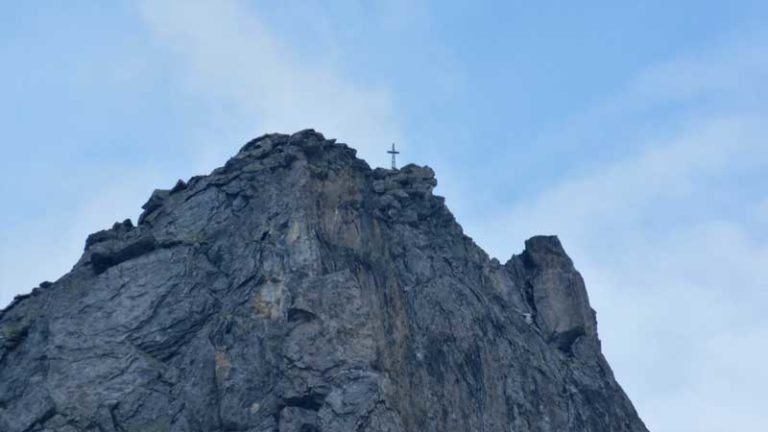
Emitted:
<point x="296" y="289"/>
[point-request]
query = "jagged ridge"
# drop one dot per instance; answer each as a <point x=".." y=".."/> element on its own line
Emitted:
<point x="296" y="289"/>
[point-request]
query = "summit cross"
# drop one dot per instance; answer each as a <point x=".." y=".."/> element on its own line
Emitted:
<point x="394" y="154"/>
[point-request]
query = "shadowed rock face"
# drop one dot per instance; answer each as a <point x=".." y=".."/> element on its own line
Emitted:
<point x="295" y="289"/>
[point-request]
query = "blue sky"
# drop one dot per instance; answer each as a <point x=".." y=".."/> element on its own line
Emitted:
<point x="636" y="132"/>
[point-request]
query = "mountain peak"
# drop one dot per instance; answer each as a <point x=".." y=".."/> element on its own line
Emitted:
<point x="297" y="289"/>
<point x="307" y="145"/>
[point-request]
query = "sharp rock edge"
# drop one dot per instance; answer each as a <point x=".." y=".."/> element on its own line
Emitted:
<point x="296" y="289"/>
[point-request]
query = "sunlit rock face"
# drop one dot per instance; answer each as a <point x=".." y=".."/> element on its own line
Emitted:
<point x="296" y="289"/>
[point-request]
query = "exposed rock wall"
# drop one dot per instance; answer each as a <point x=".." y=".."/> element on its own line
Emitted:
<point x="296" y="289"/>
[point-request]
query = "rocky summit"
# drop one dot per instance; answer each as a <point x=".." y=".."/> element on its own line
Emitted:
<point x="297" y="289"/>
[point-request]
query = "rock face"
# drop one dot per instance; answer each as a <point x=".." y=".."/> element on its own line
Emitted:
<point x="295" y="289"/>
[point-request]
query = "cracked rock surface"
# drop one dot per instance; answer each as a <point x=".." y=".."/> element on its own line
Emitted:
<point x="295" y="289"/>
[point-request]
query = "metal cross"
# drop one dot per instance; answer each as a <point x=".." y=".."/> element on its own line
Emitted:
<point x="394" y="154"/>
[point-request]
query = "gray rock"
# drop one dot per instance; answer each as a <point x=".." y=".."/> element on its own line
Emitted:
<point x="296" y="289"/>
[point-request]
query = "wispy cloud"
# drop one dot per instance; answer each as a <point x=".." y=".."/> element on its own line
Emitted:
<point x="244" y="79"/>
<point x="668" y="241"/>
<point x="230" y="56"/>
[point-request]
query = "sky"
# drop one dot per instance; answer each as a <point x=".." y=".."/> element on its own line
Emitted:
<point x="635" y="132"/>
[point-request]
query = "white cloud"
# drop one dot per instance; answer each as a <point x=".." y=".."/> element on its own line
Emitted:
<point x="734" y="68"/>
<point x="250" y="81"/>
<point x="668" y="242"/>
<point x="670" y="290"/>
<point x="229" y="55"/>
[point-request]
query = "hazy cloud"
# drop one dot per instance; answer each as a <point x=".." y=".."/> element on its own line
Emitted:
<point x="247" y="80"/>
<point x="668" y="241"/>
<point x="228" y="54"/>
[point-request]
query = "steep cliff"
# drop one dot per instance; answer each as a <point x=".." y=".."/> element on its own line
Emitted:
<point x="296" y="289"/>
